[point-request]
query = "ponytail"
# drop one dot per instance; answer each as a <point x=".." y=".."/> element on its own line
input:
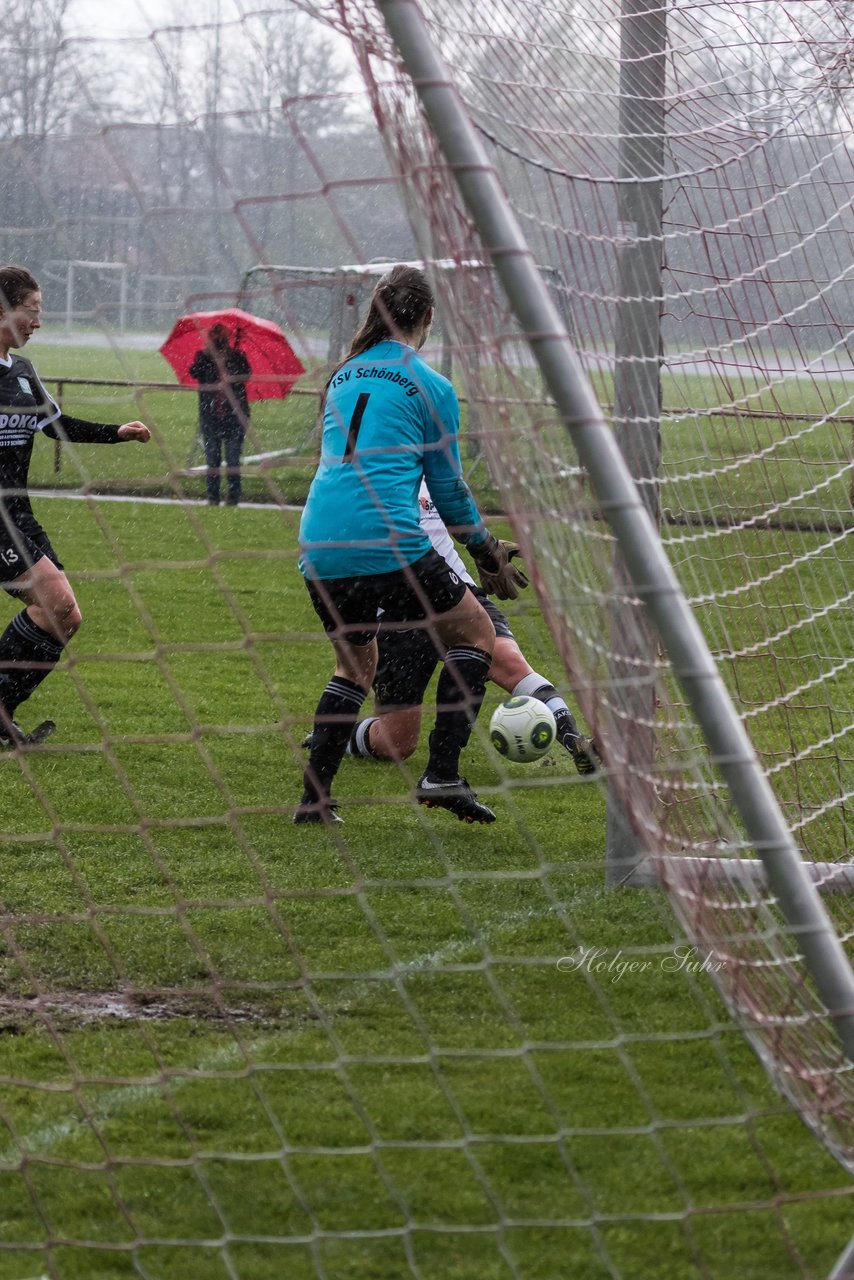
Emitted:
<point x="399" y="304"/>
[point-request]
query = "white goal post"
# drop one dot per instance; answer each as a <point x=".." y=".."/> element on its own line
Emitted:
<point x="73" y="271"/>
<point x="331" y="301"/>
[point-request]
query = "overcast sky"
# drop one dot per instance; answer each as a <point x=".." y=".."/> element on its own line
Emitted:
<point x="123" y="17"/>
<point x="139" y="17"/>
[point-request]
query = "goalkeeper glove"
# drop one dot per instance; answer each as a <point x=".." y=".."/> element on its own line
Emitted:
<point x="498" y="577"/>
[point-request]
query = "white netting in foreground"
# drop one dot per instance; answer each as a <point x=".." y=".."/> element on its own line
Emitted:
<point x="232" y="1049"/>
<point x="751" y="471"/>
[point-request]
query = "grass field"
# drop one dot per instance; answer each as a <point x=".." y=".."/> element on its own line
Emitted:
<point x="235" y="1048"/>
<point x="173" y="416"/>
<point x="724" y="464"/>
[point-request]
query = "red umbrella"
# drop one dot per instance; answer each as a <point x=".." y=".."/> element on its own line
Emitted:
<point x="275" y="365"/>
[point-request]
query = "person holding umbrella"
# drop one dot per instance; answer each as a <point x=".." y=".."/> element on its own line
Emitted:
<point x="30" y="571"/>
<point x="256" y="363"/>
<point x="222" y="371"/>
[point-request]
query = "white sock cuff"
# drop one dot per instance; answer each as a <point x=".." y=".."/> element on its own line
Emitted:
<point x="537" y="686"/>
<point x="360" y="738"/>
<point x="530" y="685"/>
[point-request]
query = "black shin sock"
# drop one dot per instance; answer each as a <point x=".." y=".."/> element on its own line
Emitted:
<point x="336" y="714"/>
<point x="458" y="697"/>
<point x="27" y="655"/>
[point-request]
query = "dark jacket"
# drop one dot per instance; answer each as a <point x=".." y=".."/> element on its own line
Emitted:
<point x="223" y="400"/>
<point x="25" y="408"/>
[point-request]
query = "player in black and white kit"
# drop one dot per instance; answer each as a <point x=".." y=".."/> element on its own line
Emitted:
<point x="32" y="644"/>
<point x="408" y="658"/>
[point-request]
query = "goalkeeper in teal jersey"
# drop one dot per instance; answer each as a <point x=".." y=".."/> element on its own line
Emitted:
<point x="389" y="420"/>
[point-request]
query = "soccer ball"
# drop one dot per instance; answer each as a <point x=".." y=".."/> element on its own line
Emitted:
<point x="522" y="729"/>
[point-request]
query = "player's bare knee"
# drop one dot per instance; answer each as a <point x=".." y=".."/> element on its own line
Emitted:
<point x="405" y="747"/>
<point x="392" y="749"/>
<point x="68" y="619"/>
<point x="392" y="738"/>
<point x="509" y="666"/>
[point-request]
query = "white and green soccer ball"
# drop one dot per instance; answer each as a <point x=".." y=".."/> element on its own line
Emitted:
<point x="522" y="729"/>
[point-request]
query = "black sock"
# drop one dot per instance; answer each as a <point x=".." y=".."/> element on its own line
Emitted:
<point x="458" y="697"/>
<point x="566" y="728"/>
<point x="27" y="655"/>
<point x="336" y="714"/>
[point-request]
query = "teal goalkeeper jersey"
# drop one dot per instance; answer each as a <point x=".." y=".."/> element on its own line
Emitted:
<point x="388" y="420"/>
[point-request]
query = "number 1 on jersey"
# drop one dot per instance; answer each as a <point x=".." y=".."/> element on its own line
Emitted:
<point x="355" y="423"/>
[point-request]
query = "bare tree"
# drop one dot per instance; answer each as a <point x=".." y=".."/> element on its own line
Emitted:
<point x="38" y="89"/>
<point x="284" y="85"/>
<point x="42" y="94"/>
<point x="286" y="57"/>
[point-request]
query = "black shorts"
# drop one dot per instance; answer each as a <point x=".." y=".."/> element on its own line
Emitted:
<point x="407" y="659"/>
<point x="350" y="608"/>
<point x="19" y="551"/>
<point x="498" y="619"/>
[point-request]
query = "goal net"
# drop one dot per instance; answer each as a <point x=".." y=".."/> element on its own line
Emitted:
<point x="727" y="371"/>
<point x="237" y="1048"/>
